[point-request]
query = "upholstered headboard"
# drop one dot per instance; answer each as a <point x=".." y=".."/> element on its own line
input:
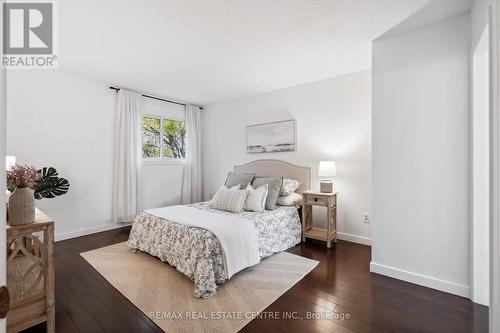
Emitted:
<point x="276" y="168"/>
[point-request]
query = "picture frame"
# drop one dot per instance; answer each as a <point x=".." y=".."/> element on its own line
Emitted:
<point x="271" y="137"/>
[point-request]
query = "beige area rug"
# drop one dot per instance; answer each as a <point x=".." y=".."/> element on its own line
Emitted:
<point x="167" y="296"/>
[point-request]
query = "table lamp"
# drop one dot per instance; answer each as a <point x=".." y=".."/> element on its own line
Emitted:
<point x="327" y="169"/>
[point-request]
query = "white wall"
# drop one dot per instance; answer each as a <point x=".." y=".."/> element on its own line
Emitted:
<point x="333" y="123"/>
<point x="479" y="18"/>
<point x="421" y="153"/>
<point x="67" y="122"/>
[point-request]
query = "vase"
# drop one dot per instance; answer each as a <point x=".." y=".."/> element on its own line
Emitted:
<point x="22" y="206"/>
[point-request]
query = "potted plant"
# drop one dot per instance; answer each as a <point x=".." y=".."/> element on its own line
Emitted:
<point x="27" y="184"/>
<point x="50" y="185"/>
<point x="20" y="181"/>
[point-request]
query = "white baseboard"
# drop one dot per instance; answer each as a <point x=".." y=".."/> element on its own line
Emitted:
<point x="354" y="238"/>
<point x="420" y="279"/>
<point x="88" y="231"/>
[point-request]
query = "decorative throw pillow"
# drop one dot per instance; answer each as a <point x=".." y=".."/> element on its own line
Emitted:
<point x="274" y="189"/>
<point x="229" y="200"/>
<point x="239" y="179"/>
<point x="235" y="187"/>
<point x="256" y="198"/>
<point x="293" y="199"/>
<point x="290" y="186"/>
<point x="224" y="187"/>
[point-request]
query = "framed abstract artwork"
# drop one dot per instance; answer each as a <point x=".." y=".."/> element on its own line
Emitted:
<point x="278" y="136"/>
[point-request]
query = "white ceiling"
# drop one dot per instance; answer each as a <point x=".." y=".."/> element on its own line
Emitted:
<point x="207" y="51"/>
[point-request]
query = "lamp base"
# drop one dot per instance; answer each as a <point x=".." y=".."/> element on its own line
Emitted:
<point x="326" y="186"/>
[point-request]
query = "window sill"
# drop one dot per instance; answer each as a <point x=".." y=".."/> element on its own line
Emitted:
<point x="161" y="161"/>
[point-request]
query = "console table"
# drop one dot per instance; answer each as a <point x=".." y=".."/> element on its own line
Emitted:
<point x="317" y="198"/>
<point x="30" y="274"/>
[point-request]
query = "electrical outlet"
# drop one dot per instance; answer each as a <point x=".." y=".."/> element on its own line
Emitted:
<point x="366" y="218"/>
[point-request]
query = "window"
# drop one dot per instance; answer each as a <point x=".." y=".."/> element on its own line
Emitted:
<point x="163" y="138"/>
<point x="151" y="130"/>
<point x="174" y="139"/>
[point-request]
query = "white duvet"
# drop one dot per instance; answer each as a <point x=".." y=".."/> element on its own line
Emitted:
<point x="238" y="236"/>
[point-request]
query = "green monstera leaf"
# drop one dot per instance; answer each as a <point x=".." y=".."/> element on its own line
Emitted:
<point x="50" y="185"/>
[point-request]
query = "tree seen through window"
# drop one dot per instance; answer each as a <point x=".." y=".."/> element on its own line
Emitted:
<point x="163" y="138"/>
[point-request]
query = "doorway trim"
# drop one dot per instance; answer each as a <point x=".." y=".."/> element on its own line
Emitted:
<point x="494" y="315"/>
<point x="480" y="180"/>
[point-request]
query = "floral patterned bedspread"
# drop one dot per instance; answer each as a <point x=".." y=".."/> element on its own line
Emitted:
<point x="197" y="253"/>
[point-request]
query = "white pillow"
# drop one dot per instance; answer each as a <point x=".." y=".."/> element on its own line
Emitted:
<point x="224" y="187"/>
<point x="256" y="198"/>
<point x="229" y="200"/>
<point x="290" y="186"/>
<point x="235" y="187"/>
<point x="293" y="199"/>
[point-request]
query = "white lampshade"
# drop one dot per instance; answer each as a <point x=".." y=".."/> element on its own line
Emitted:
<point x="9" y="162"/>
<point x="327" y="169"/>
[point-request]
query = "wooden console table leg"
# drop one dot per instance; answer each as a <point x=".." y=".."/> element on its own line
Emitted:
<point x="50" y="278"/>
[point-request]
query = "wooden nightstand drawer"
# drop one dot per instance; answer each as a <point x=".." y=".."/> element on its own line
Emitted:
<point x="320" y="200"/>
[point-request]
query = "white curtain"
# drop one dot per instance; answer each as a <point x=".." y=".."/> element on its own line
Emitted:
<point x="127" y="157"/>
<point x="191" y="184"/>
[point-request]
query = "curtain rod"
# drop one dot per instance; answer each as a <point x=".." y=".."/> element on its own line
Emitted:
<point x="157" y="98"/>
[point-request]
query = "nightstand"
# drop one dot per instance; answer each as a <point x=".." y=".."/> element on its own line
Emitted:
<point x="317" y="198"/>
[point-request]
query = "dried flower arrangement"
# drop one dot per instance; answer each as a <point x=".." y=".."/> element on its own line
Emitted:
<point x="22" y="176"/>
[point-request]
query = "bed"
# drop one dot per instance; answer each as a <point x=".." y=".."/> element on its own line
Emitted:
<point x="199" y="249"/>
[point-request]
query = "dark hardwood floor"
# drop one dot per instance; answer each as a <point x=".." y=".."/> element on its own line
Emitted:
<point x="342" y="283"/>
